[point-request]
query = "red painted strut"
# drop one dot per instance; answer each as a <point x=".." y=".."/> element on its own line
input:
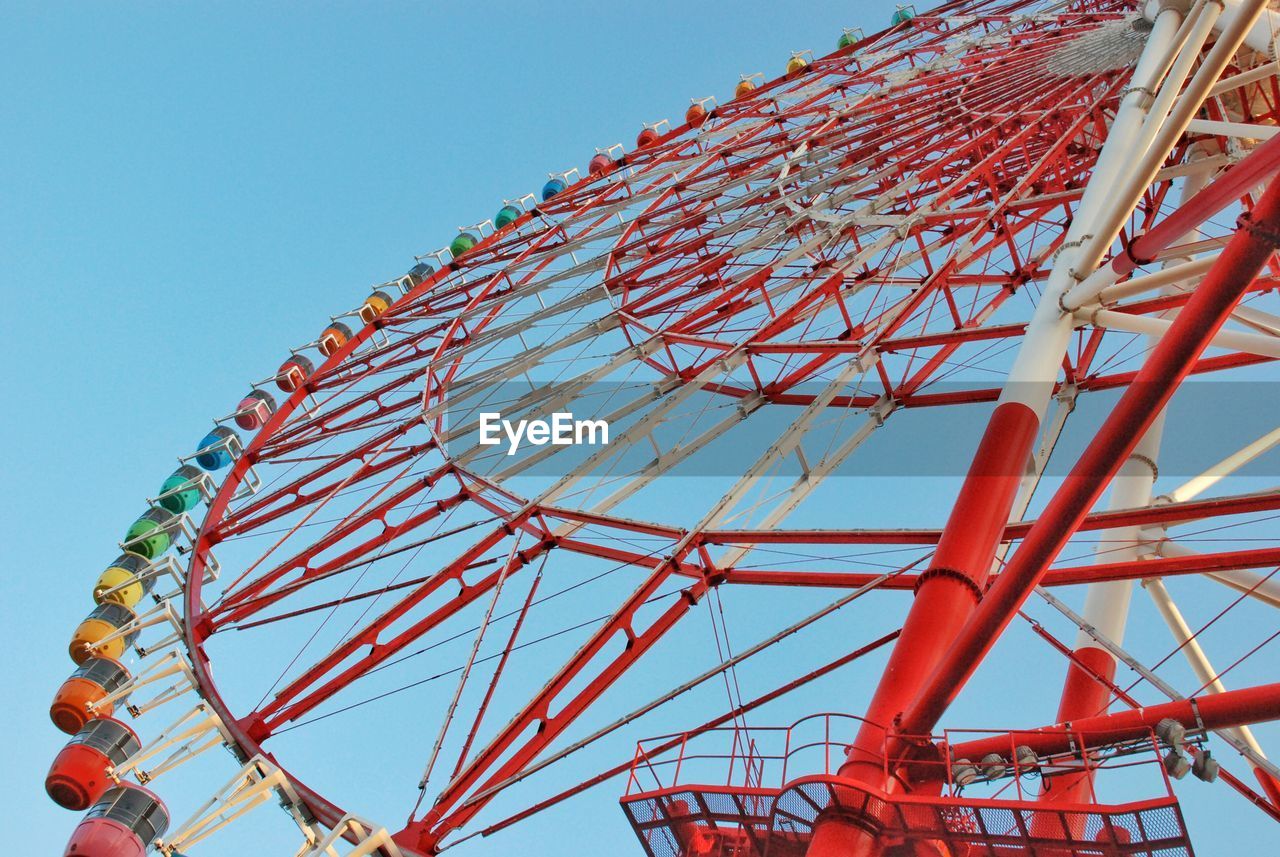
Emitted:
<point x="1193" y="329"/>
<point x="946" y="636"/>
<point x="1216" y="711"/>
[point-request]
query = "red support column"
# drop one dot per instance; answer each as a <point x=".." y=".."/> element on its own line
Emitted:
<point x="946" y="595"/>
<point x="1215" y="711"/>
<point x="946" y="636"/>
<point x="948" y="592"/>
<point x="1154" y="384"/>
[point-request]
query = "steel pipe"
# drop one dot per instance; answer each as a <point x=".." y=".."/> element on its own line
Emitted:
<point x="1154" y="384"/>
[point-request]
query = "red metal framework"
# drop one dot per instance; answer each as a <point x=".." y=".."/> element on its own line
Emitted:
<point x="762" y="810"/>
<point x="873" y="240"/>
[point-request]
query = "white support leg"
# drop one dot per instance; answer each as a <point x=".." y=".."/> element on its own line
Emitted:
<point x="171" y="664"/>
<point x="1196" y="486"/>
<point x="1232" y="340"/>
<point x="368" y="841"/>
<point x="1035" y="368"/>
<point x="1106" y="606"/>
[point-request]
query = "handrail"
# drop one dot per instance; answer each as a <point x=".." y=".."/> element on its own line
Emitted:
<point x="769" y="755"/>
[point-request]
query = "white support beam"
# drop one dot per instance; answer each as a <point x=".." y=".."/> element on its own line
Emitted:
<point x="192" y="734"/>
<point x="1264" y="589"/>
<point x="1214" y="474"/>
<point x="1121" y="655"/>
<point x="1172" y="275"/>
<point x="1232" y="340"/>
<point x="1243" y="130"/>
<point x="1193" y="652"/>
<point x="259" y="781"/>
<point x="359" y="837"/>
<point x="1245" y="78"/>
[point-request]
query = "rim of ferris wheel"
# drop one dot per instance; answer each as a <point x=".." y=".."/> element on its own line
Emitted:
<point x="583" y="195"/>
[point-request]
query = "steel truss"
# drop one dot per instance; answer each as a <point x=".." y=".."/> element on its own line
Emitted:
<point x="991" y="204"/>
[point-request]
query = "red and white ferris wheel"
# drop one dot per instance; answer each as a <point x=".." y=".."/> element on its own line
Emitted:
<point x="661" y="448"/>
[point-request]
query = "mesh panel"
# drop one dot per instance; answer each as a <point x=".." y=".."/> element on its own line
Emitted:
<point x="734" y="822"/>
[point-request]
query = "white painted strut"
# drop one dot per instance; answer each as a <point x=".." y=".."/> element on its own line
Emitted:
<point x="1169" y="276"/>
<point x="1245" y="78"/>
<point x="1191" y="650"/>
<point x="1259" y="320"/>
<point x="1035" y="368"/>
<point x="369" y="841"/>
<point x="1232" y="340"/>
<point x="193" y="733"/>
<point x="172" y="663"/>
<point x="1196" y="486"/>
<point x="1106" y="606"/>
<point x="1243" y="130"/>
<point x="258" y="782"/>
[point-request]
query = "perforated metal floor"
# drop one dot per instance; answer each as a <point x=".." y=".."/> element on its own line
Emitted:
<point x="719" y="821"/>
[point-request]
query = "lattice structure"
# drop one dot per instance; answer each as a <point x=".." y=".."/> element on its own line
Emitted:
<point x="1008" y="208"/>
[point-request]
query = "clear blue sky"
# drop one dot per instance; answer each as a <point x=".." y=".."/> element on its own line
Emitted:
<point x="188" y="189"/>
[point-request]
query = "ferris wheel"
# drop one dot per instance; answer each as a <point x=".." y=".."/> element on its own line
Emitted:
<point x="797" y="384"/>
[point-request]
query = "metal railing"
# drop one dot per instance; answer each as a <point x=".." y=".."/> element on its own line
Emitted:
<point x="762" y="758"/>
